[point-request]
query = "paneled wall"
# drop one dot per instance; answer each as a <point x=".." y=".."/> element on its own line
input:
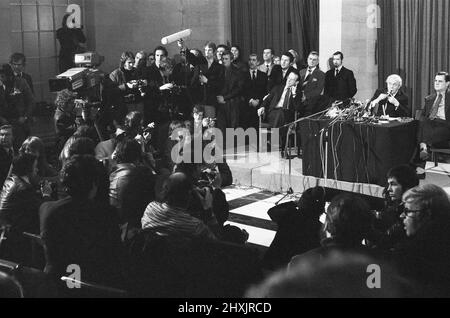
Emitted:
<point x="140" y="24"/>
<point x="349" y="26"/>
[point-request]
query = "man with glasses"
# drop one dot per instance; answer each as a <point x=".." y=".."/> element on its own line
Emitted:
<point x="425" y="254"/>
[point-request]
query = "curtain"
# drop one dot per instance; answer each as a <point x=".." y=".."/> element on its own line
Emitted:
<point x="414" y="42"/>
<point x="280" y="24"/>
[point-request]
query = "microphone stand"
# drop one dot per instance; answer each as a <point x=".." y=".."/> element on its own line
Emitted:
<point x="290" y="191"/>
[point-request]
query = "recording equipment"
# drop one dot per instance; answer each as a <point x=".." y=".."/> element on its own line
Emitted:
<point x="89" y="59"/>
<point x="176" y="36"/>
<point x="75" y="79"/>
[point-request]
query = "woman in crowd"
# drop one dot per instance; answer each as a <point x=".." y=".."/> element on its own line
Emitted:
<point x="34" y="145"/>
<point x="237" y="59"/>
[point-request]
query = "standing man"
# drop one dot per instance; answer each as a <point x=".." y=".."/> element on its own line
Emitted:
<point x="17" y="62"/>
<point x="230" y="98"/>
<point x="313" y="81"/>
<point x="208" y="76"/>
<point x="71" y="41"/>
<point x="340" y="83"/>
<point x="255" y="88"/>
<point x="434" y="124"/>
<point x="268" y="64"/>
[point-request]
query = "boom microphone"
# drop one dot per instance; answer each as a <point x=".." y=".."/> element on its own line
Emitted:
<point x="176" y="36"/>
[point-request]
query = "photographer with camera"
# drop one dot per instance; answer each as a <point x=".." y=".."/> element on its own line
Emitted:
<point x="126" y="80"/>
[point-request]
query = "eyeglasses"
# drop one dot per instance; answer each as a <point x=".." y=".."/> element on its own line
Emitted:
<point x="411" y="213"/>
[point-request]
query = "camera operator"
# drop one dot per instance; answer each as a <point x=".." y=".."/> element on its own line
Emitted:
<point x="71" y="113"/>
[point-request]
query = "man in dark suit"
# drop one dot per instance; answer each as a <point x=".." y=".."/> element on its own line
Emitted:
<point x="267" y="64"/>
<point x="434" y="123"/>
<point x="280" y="105"/>
<point x="313" y="80"/>
<point x="230" y="99"/>
<point x="281" y="72"/>
<point x="255" y="85"/>
<point x="340" y="83"/>
<point x="18" y="62"/>
<point x="392" y="101"/>
<point x="6" y="152"/>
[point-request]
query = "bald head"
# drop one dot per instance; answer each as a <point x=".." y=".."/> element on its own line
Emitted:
<point x="178" y="189"/>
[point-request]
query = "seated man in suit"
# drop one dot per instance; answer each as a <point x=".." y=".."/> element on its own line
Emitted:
<point x="340" y="83"/>
<point x="434" y="124"/>
<point x="281" y="104"/>
<point x="313" y="80"/>
<point x="391" y="101"/>
<point x="255" y="85"/>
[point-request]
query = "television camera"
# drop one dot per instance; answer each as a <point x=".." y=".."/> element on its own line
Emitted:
<point x="84" y="78"/>
<point x="86" y="82"/>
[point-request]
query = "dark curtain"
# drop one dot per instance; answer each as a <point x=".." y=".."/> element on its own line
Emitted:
<point x="414" y="42"/>
<point x="281" y="24"/>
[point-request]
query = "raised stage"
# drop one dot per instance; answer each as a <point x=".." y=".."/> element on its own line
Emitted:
<point x="270" y="172"/>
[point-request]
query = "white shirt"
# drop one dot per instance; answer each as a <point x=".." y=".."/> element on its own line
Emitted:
<point x="283" y="97"/>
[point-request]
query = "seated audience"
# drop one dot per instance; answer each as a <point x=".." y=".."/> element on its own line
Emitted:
<point x="34" y="145"/>
<point x="172" y="217"/>
<point x="81" y="132"/>
<point x="131" y="185"/>
<point x="387" y="225"/>
<point x="347" y="225"/>
<point x="19" y="205"/>
<point x="392" y="101"/>
<point x="81" y="229"/>
<point x="425" y="254"/>
<point x="337" y="275"/>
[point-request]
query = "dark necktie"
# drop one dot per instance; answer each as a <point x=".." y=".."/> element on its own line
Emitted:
<point x="286" y="99"/>
<point x="337" y="72"/>
<point x="253" y="75"/>
<point x="435" y="108"/>
<point x="308" y="75"/>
